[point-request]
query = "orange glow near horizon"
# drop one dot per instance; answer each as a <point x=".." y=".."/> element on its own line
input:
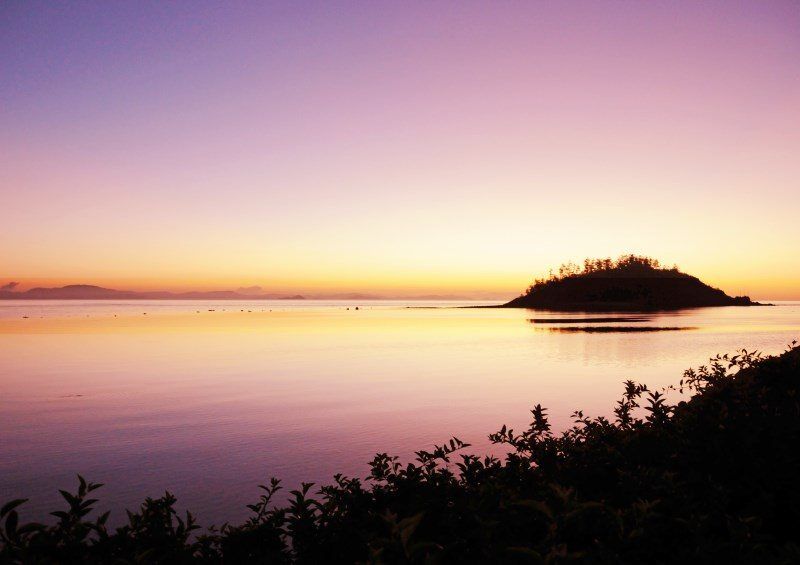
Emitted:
<point x="770" y="286"/>
<point x="398" y="150"/>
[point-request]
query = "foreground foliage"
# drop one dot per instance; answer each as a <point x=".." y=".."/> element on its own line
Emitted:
<point x="714" y="479"/>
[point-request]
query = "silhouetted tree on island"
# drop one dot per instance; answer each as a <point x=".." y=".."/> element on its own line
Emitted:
<point x="631" y="282"/>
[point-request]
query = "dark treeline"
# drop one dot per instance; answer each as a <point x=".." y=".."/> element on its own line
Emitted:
<point x="714" y="479"/>
<point x="625" y="265"/>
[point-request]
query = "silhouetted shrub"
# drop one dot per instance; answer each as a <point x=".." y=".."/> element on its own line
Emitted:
<point x="712" y="479"/>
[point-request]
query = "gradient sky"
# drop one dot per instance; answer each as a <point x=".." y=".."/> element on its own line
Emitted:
<point x="397" y="147"/>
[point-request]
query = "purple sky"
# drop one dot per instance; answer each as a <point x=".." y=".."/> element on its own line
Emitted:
<point x="398" y="147"/>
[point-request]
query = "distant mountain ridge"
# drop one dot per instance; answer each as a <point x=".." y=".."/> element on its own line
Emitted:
<point x="92" y="292"/>
<point x="629" y="283"/>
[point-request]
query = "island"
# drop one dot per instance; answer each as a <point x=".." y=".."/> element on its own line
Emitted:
<point x="631" y="282"/>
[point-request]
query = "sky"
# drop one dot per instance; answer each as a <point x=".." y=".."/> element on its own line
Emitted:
<point x="397" y="148"/>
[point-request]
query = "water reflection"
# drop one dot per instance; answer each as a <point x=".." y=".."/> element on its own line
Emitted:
<point x="614" y="329"/>
<point x="207" y="399"/>
<point x="594" y="320"/>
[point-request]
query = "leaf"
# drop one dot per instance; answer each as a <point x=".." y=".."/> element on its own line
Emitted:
<point x="9" y="506"/>
<point x="11" y="523"/>
<point x="69" y="498"/>
<point x="87" y="503"/>
<point x="408" y="525"/>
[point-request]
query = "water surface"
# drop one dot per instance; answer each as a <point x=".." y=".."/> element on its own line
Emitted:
<point x="208" y="399"/>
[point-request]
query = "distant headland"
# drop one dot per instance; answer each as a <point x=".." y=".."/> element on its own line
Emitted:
<point x="92" y="292"/>
<point x="631" y="282"/>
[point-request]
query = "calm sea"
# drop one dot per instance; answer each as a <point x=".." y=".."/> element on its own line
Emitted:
<point x="209" y="399"/>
